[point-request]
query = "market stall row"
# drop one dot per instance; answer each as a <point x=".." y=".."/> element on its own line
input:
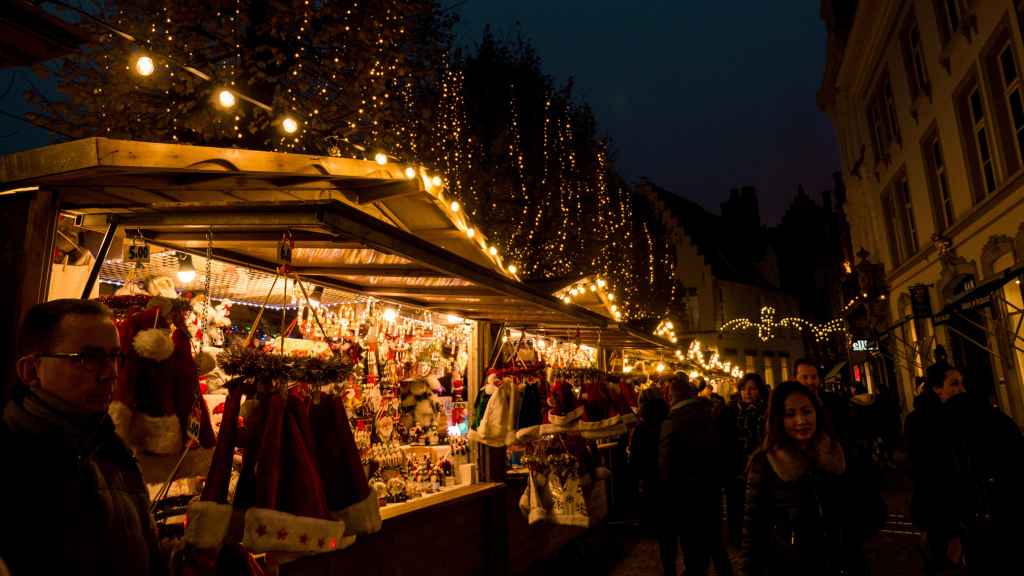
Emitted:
<point x="323" y="316"/>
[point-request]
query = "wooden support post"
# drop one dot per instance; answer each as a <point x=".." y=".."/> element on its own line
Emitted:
<point x="94" y="273"/>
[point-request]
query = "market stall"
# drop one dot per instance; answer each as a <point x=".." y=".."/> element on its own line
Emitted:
<point x="332" y="291"/>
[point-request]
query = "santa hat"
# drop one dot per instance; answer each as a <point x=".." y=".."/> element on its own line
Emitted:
<point x="565" y="409"/>
<point x="598" y="419"/>
<point x="156" y="387"/>
<point x="348" y="494"/>
<point x="280" y="490"/>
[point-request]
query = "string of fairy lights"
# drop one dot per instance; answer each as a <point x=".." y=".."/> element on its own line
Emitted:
<point x="589" y="224"/>
<point x="768" y="325"/>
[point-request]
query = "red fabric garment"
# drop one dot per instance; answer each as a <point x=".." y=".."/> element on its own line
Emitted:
<point x="597" y="403"/>
<point x="300" y="490"/>
<point x="340" y="466"/>
<point x="219" y="477"/>
<point x="160" y="388"/>
<point x="267" y="476"/>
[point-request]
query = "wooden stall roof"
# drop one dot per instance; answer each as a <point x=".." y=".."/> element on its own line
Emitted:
<point x="359" y="227"/>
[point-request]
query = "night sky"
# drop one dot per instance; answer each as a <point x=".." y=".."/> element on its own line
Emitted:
<point x="698" y="95"/>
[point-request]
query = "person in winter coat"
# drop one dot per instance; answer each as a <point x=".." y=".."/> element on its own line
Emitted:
<point x="643" y="457"/>
<point x="966" y="458"/>
<point x="691" y="463"/>
<point x="72" y="497"/>
<point x="742" y="432"/>
<point x="797" y="520"/>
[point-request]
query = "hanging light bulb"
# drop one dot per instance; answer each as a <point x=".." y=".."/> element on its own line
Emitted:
<point x="390" y="314"/>
<point x="659" y="368"/>
<point x="144" y="65"/>
<point x="186" y="271"/>
<point x="601" y="282"/>
<point x="226" y="99"/>
<point x="410" y="172"/>
<point x="470" y="232"/>
<point x="436" y="181"/>
<point x="290" y="125"/>
<point x="611" y="297"/>
<point x="593" y="288"/>
<point x="455" y="206"/>
<point x="512" y="268"/>
<point x="382" y="159"/>
<point x="316" y="297"/>
<point x="565" y="299"/>
<point x="493" y="251"/>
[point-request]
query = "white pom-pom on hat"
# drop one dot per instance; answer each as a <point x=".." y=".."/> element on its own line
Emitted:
<point x="154" y="344"/>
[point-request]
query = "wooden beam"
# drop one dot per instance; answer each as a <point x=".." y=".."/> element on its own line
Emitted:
<point x="378" y="270"/>
<point x="262" y="238"/>
<point x="385" y="191"/>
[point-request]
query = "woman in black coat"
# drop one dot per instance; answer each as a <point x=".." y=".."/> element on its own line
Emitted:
<point x="742" y="433"/>
<point x="797" y="519"/>
<point x="643" y="459"/>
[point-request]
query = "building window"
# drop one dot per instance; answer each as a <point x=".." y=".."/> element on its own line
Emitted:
<point x="769" y="370"/>
<point x="897" y="202"/>
<point x="948" y="12"/>
<point x="938" y="180"/>
<point x="751" y="365"/>
<point x="1009" y="74"/>
<point x="883" y="120"/>
<point x="784" y="365"/>
<point x="909" y="229"/>
<point x="974" y="119"/>
<point x="913" y="54"/>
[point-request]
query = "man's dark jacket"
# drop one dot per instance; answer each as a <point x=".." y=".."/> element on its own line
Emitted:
<point x="72" y="498"/>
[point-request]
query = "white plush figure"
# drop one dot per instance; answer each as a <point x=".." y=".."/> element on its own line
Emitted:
<point x="216" y="320"/>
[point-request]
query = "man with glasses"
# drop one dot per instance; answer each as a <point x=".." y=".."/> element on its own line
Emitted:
<point x="72" y="498"/>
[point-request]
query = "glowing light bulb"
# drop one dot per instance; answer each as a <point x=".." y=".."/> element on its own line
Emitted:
<point x="565" y="299"/>
<point x="410" y="172"/>
<point x="470" y="232"/>
<point x="186" y="271"/>
<point x="290" y="125"/>
<point x="660" y="367"/>
<point x="694" y="374"/>
<point x="493" y="251"/>
<point x="627" y="369"/>
<point x="453" y="319"/>
<point x="668" y="325"/>
<point x="455" y="206"/>
<point x="601" y="282"/>
<point x="611" y="297"/>
<point x="226" y="98"/>
<point x="390" y="315"/>
<point x="512" y="268"/>
<point x="593" y="288"/>
<point x="436" y="181"/>
<point x="144" y="65"/>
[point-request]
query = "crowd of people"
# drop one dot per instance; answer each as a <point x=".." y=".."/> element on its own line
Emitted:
<point x="800" y="469"/>
<point x="800" y="483"/>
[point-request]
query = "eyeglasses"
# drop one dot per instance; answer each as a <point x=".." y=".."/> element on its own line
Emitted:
<point x="92" y="360"/>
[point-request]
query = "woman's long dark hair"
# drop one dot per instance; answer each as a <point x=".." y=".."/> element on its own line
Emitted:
<point x="775" y="428"/>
